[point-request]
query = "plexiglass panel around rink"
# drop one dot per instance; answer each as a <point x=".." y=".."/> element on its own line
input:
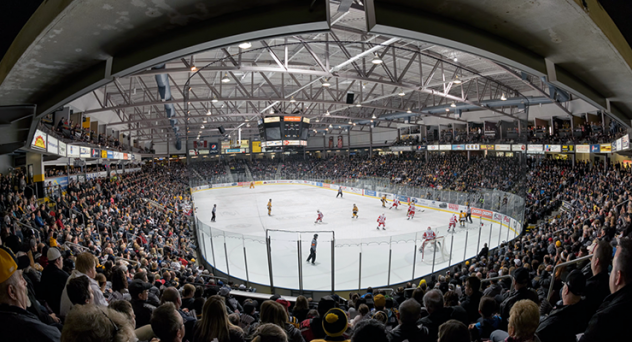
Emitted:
<point x="280" y="257"/>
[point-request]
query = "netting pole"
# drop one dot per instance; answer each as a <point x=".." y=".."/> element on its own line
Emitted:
<point x="467" y="233"/>
<point x="451" y="245"/>
<point x="491" y="228"/>
<point x="246" y="264"/>
<point x="300" y="265"/>
<point x="333" y="270"/>
<point x="360" y="272"/>
<point x="226" y="255"/>
<point x="414" y="257"/>
<point x="500" y="231"/>
<point x="478" y="244"/>
<point x="269" y="250"/>
<point x="508" y="234"/>
<point x="434" y="255"/>
<point x="390" y="253"/>
<point x="210" y="230"/>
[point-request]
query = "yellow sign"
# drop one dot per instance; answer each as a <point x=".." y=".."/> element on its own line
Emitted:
<point x="244" y="144"/>
<point x="39" y="142"/>
<point x="104" y="154"/>
<point x="256" y="147"/>
<point x="86" y="122"/>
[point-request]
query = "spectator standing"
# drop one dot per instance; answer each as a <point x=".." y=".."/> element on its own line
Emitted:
<point x="16" y="323"/>
<point x="53" y="279"/>
<point x="610" y="321"/>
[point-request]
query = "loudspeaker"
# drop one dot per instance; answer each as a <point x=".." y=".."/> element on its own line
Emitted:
<point x="221" y="129"/>
<point x="350" y="98"/>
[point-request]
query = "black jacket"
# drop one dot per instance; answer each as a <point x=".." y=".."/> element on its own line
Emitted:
<point x="52" y="285"/>
<point x="597" y="289"/>
<point x="143" y="312"/>
<point x="22" y="326"/>
<point x="434" y="320"/>
<point x="511" y="298"/>
<point x="563" y="323"/>
<point x="610" y="323"/>
<point x="189" y="325"/>
<point x="410" y="332"/>
<point x="470" y="304"/>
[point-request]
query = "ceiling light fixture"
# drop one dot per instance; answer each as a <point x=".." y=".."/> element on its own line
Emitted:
<point x="350" y="122"/>
<point x="457" y="80"/>
<point x="202" y="127"/>
<point x="374" y="117"/>
<point x="358" y="104"/>
<point x="327" y="113"/>
<point x="245" y="45"/>
<point x="456" y="59"/>
<point x="214" y="100"/>
<point x="408" y="111"/>
<point x="402" y="93"/>
<point x="447" y="109"/>
<point x="453" y="105"/>
<point x="326" y="83"/>
<point x="271" y="111"/>
<point x="377" y="60"/>
<point x="208" y="112"/>
<point x="354" y="123"/>
<point x="503" y="98"/>
<point x="225" y="79"/>
<point x="193" y="68"/>
<point x="292" y="100"/>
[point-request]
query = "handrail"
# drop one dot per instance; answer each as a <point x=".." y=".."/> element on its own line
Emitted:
<point x="68" y="243"/>
<point x="128" y="260"/>
<point x="548" y="296"/>
<point x="500" y="278"/>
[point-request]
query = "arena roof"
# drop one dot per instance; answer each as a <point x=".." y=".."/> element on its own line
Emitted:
<point x="441" y="62"/>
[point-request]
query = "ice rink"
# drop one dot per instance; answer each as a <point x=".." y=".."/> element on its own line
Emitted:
<point x="362" y="253"/>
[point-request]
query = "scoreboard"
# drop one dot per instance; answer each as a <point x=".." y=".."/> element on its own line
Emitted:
<point x="285" y="131"/>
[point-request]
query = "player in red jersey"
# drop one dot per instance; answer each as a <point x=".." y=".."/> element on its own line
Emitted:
<point x="381" y="221"/>
<point x="319" y="219"/>
<point x="428" y="236"/>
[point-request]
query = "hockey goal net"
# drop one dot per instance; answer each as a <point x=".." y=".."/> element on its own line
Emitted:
<point x="434" y="250"/>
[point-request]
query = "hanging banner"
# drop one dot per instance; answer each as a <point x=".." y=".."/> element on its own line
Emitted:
<point x="619" y="144"/>
<point x="582" y="148"/>
<point x="535" y="148"/>
<point x="96" y="153"/>
<point x="503" y="147"/>
<point x="84" y="152"/>
<point x="458" y="147"/>
<point x="62" y="148"/>
<point x="487" y="147"/>
<point x="421" y="148"/>
<point x="39" y="140"/>
<point x="104" y="154"/>
<point x="625" y="142"/>
<point x="472" y="147"/>
<point x="568" y="148"/>
<point x="53" y="145"/>
<point x="553" y="148"/>
<point x="433" y="147"/>
<point x="340" y="141"/>
<point x="72" y="151"/>
<point x="445" y="147"/>
<point x="519" y="147"/>
<point x="606" y="148"/>
<point x="595" y="148"/>
<point x="214" y="147"/>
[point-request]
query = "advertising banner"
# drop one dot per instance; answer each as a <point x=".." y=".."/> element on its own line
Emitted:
<point x="72" y="151"/>
<point x="534" y="148"/>
<point x="57" y="181"/>
<point x="53" y="145"/>
<point x="256" y="147"/>
<point x="619" y="144"/>
<point x="518" y="147"/>
<point x="110" y="154"/>
<point x="487" y="147"/>
<point x="458" y="147"/>
<point x="370" y="193"/>
<point x="472" y="147"/>
<point x="625" y="142"/>
<point x="421" y="148"/>
<point x="62" y="149"/>
<point x="595" y="148"/>
<point x="553" y="148"/>
<point x="84" y="152"/>
<point x="401" y="148"/>
<point x="582" y="148"/>
<point x="433" y="147"/>
<point x="606" y="148"/>
<point x="503" y="147"/>
<point x="445" y="147"/>
<point x="96" y="153"/>
<point x="39" y="140"/>
<point x="568" y="148"/>
<point x="482" y="213"/>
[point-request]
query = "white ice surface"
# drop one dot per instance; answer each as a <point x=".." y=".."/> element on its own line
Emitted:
<point x="242" y="220"/>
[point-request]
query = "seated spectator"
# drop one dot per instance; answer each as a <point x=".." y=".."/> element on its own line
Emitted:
<point x="188" y="292"/>
<point x="610" y="321"/>
<point x="119" y="285"/>
<point x="85" y="265"/>
<point x="301" y="307"/>
<point x="472" y="298"/>
<point x="313" y="328"/>
<point x="53" y="279"/>
<point x="80" y="291"/>
<point x="597" y="286"/>
<point x="215" y="325"/>
<point x="370" y="330"/>
<point x="16" y="323"/>
<point x="269" y="333"/>
<point x="488" y="322"/>
<point x="171" y="295"/>
<point x="335" y="324"/>
<point x="143" y="333"/>
<point x="363" y="314"/>
<point x="453" y="331"/>
<point x="521" y="291"/>
<point x="247" y="318"/>
<point x="524" y="318"/>
<point x="275" y="313"/>
<point x="437" y="313"/>
<point x="139" y="290"/>
<point x="167" y="323"/>
<point x="408" y="329"/>
<point x="94" y="323"/>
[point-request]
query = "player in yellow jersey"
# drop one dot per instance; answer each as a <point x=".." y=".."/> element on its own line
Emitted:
<point x="252" y="185"/>
<point x="462" y="216"/>
<point x="270" y="207"/>
<point x="355" y="211"/>
<point x="383" y="201"/>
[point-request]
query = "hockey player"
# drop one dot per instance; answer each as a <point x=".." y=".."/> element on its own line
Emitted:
<point x="355" y="211"/>
<point x="452" y="224"/>
<point x="319" y="219"/>
<point x="381" y="221"/>
<point x="383" y="199"/>
<point x="270" y="207"/>
<point x="395" y="204"/>
<point x="462" y="216"/>
<point x="339" y="192"/>
<point x="252" y="185"/>
<point x="411" y="211"/>
<point x="428" y="236"/>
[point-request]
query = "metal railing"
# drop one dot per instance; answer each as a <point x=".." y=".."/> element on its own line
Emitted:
<point x="550" y="292"/>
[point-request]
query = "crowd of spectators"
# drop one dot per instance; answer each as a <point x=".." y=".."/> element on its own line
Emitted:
<point x="261" y="169"/>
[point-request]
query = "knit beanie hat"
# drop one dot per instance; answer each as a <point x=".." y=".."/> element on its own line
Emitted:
<point x="335" y="322"/>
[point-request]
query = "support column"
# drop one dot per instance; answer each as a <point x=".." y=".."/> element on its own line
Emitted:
<point x="371" y="140"/>
<point x="35" y="171"/>
<point x="168" y="155"/>
<point x="468" y="156"/>
<point x="349" y="141"/>
<point x="573" y="159"/>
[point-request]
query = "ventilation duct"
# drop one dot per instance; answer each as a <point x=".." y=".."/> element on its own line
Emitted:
<point x="164" y="90"/>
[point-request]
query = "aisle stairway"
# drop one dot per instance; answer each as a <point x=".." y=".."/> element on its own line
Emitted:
<point x="229" y="174"/>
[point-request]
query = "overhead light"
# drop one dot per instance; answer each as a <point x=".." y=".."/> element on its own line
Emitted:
<point x="408" y="111"/>
<point x="503" y="98"/>
<point x="208" y="112"/>
<point x="214" y="100"/>
<point x="225" y="79"/>
<point x="374" y="117"/>
<point x="326" y="83"/>
<point x="204" y="121"/>
<point x="371" y="120"/>
<point x="193" y="68"/>
<point x="453" y="105"/>
<point x="327" y="113"/>
<point x="202" y="127"/>
<point x="358" y="104"/>
<point x="447" y="109"/>
<point x="457" y="80"/>
<point x="350" y="122"/>
<point x="354" y="123"/>
<point x="317" y="120"/>
<point x="456" y="59"/>
<point x="292" y="100"/>
<point x="376" y="60"/>
<point x="247" y="125"/>
<point x="245" y="45"/>
<point x="330" y="126"/>
<point x="271" y="111"/>
<point x="402" y="93"/>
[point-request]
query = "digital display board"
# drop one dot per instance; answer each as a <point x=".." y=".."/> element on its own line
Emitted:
<point x="284" y="128"/>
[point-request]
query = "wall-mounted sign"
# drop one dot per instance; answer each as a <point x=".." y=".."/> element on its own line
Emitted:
<point x="39" y="140"/>
<point x="53" y="145"/>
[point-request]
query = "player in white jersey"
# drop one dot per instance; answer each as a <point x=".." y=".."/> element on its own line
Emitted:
<point x="411" y="211"/>
<point x="381" y="221"/>
<point x="428" y="236"/>
<point x="452" y="224"/>
<point x="319" y="219"/>
<point x="395" y="204"/>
